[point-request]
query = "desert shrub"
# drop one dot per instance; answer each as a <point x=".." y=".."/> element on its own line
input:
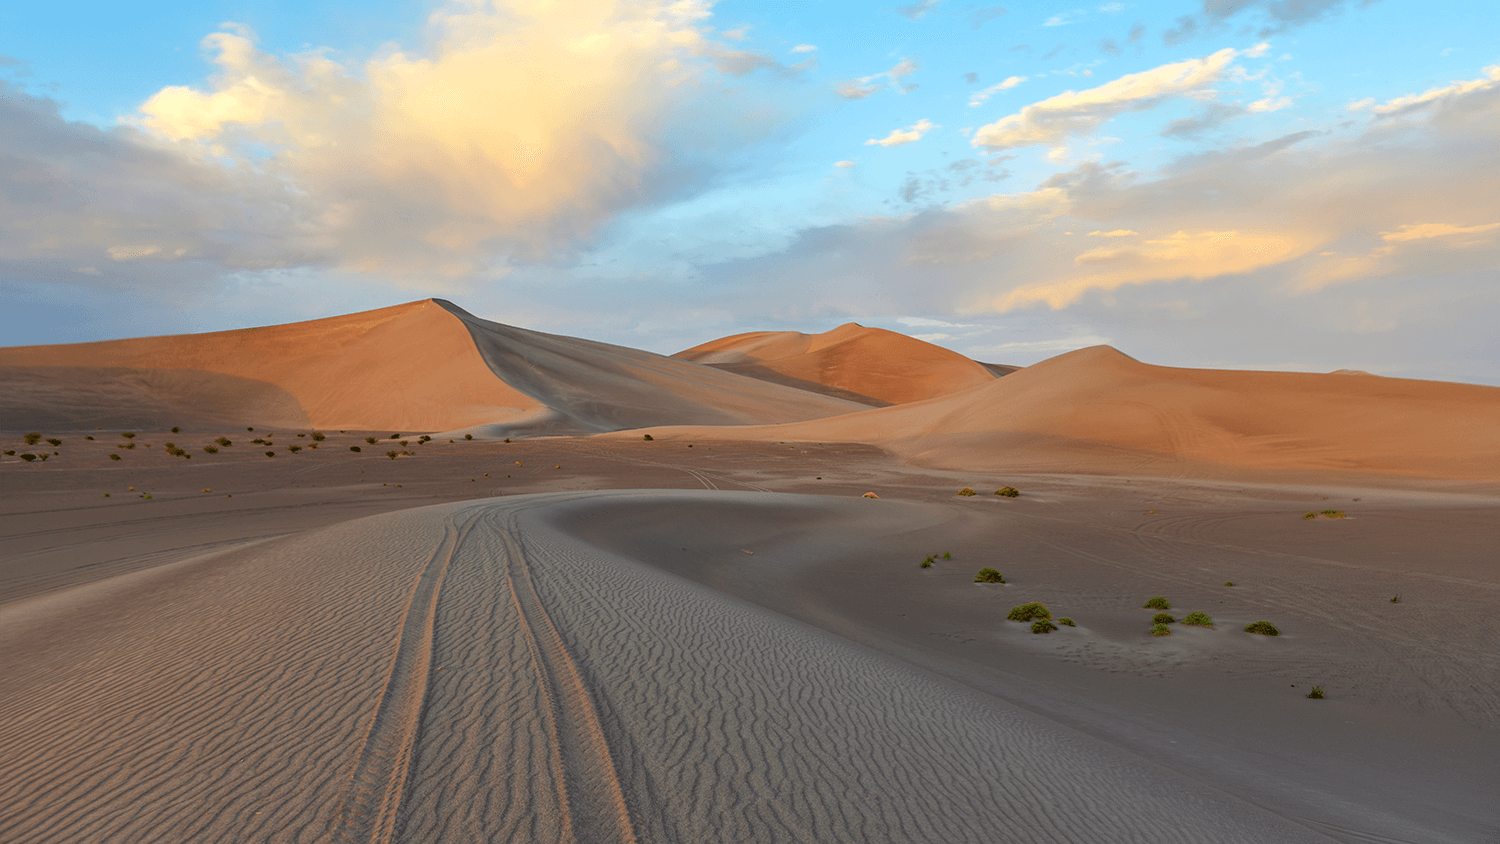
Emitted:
<point x="1229" y="583"/>
<point x="1309" y="515"/>
<point x="370" y="440"/>
<point x="1066" y="622"/>
<point x="28" y="457"/>
<point x="1042" y="625"/>
<point x="1027" y="612"/>
<point x="966" y="491"/>
<point x="403" y="443"/>
<point x="294" y="448"/>
<point x="129" y="435"/>
<point x="471" y="436"/>
<point x="1333" y="514"/>
<point x="11" y="453"/>
<point x="53" y="441"/>
<point x="1160" y="630"/>
<point x="259" y="441"/>
<point x="176" y="430"/>
<point x="1264" y="628"/>
<point x="33" y="438"/>
<point x="43" y="456"/>
<point x="1008" y="491"/>
<point x="647" y="437"/>
<point x="927" y="563"/>
<point x="947" y="555"/>
<point x="424" y="439"/>
<point x="987" y="575"/>
<point x="1157" y="603"/>
<point x="395" y="436"/>
<point x="1396" y="599"/>
<point x="224" y="441"/>
<point x="132" y="445"/>
<point x="317" y="437"/>
<point x="88" y="438"/>
<point x="249" y="429"/>
<point x="1198" y="618"/>
<point x="354" y="448"/>
<point x="1163" y="618"/>
<point x="1316" y="693"/>
<point x="169" y="447"/>
<point x="270" y="454"/>
<point x="211" y="449"/>
<point x="392" y="454"/>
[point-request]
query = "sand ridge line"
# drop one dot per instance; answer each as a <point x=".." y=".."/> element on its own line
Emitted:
<point x="591" y="792"/>
<point x="371" y="806"/>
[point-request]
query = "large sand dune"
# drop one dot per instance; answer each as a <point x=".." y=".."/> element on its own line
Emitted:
<point x="1097" y="409"/>
<point x="425" y="365"/>
<point x="870" y="365"/>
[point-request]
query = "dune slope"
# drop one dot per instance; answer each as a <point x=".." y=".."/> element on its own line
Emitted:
<point x="1101" y="409"/>
<point x="872" y="365"/>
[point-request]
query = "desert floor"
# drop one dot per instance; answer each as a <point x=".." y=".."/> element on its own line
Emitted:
<point x="604" y="639"/>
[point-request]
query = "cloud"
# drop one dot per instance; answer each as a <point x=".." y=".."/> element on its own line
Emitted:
<point x="844" y="164"/>
<point x="1064" y="18"/>
<point x="803" y="48"/>
<point x="1053" y="121"/>
<point x="1434" y="97"/>
<point x="917" y="10"/>
<point x="910" y="134"/>
<point x="1424" y="231"/>
<point x="864" y="86"/>
<point x="978" y="98"/>
<point x="1211" y="116"/>
<point x="1115" y="233"/>
<point x="979" y="17"/>
<point x="1276" y="16"/>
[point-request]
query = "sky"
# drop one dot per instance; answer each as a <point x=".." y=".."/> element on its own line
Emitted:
<point x="1249" y="184"/>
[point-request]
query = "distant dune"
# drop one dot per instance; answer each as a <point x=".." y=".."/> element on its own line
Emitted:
<point x="1099" y="409"/>
<point x="424" y="365"/>
<point x="869" y="365"/>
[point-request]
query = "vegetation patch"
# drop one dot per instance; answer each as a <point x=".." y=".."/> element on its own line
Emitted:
<point x="471" y="436"/>
<point x="1028" y="612"/>
<point x="1157" y="603"/>
<point x="129" y="435"/>
<point x="270" y="454"/>
<point x="294" y="448"/>
<point x="1396" y="599"/>
<point x="1160" y="630"/>
<point x="394" y="454"/>
<point x="354" y="448"/>
<point x="176" y="430"/>
<point x="1163" y="618"/>
<point x="1042" y="625"/>
<point x="224" y="441"/>
<point x="1316" y="693"/>
<point x="927" y="563"/>
<point x="370" y="440"/>
<point x="1066" y="622"/>
<point x="647" y="437"/>
<point x="988" y="575"/>
<point x="53" y="441"/>
<point x="33" y="438"/>
<point x="1264" y="628"/>
<point x="28" y="457"/>
<point x="1198" y="618"/>
<point x="114" y="457"/>
<point x="211" y="449"/>
<point x="317" y="437"/>
<point x="967" y="491"/>
<point x="1229" y="583"/>
<point x="1008" y="491"/>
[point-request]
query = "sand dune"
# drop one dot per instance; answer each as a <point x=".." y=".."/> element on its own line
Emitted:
<point x="1097" y="409"/>
<point x="871" y="365"/>
<point x="425" y="365"/>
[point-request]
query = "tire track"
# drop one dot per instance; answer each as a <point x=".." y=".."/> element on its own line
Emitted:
<point x="591" y="791"/>
<point x="372" y="802"/>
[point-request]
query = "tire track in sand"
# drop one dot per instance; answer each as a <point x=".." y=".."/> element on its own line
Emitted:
<point x="590" y="789"/>
<point x="372" y="801"/>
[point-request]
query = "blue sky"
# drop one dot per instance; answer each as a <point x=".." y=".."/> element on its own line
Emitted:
<point x="1225" y="183"/>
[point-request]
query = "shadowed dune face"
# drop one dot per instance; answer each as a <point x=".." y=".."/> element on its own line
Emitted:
<point x="66" y="397"/>
<point x="1098" y="408"/>
<point x="881" y="367"/>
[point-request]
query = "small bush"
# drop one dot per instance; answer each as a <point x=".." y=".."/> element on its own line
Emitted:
<point x="1066" y="622"/>
<point x="132" y="445"/>
<point x="1264" y="628"/>
<point x="395" y="436"/>
<point x="471" y="436"/>
<point x="947" y="555"/>
<point x="249" y="429"/>
<point x="88" y="438"/>
<point x="354" y="448"/>
<point x="927" y="563"/>
<point x="1008" y="491"/>
<point x="987" y="575"/>
<point x="424" y="439"/>
<point x="1333" y="514"/>
<point x="11" y="453"/>
<point x="270" y="454"/>
<point x="53" y="442"/>
<point x="294" y="448"/>
<point x="211" y="449"/>
<point x="1316" y="693"/>
<point x="1396" y="599"/>
<point x="648" y="438"/>
<point x="1198" y="618"/>
<point x="114" y="457"/>
<point x="317" y="437"/>
<point x="392" y="454"/>
<point x="1160" y="630"/>
<point x="176" y="430"/>
<point x="1042" y="625"/>
<point x="1157" y="603"/>
<point x="1027" y="612"/>
<point x="28" y="457"/>
<point x="1163" y="618"/>
<point x="370" y="440"/>
<point x="1309" y="515"/>
<point x="966" y="491"/>
<point x="129" y="435"/>
<point x="33" y="438"/>
<point x="1229" y="583"/>
<point x="403" y="443"/>
<point x="224" y="441"/>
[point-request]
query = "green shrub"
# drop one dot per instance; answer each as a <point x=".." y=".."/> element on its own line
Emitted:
<point x="1027" y="612"/>
<point x="395" y="436"/>
<point x="370" y="440"/>
<point x="1008" y="491"/>
<point x="28" y="457"/>
<point x="392" y="454"/>
<point x="249" y="429"/>
<point x="11" y="453"/>
<point x="1396" y="599"/>
<point x="927" y="563"/>
<point x="1333" y="514"/>
<point x="1163" y="618"/>
<point x="53" y="442"/>
<point x="1198" y="618"/>
<point x="88" y="438"/>
<point x="33" y="438"/>
<point x="1316" y="693"/>
<point x="294" y="448"/>
<point x="317" y="437"/>
<point x="270" y="454"/>
<point x="211" y="449"/>
<point x="647" y="437"/>
<point x="1042" y="625"/>
<point x="1066" y="622"/>
<point x="354" y="448"/>
<point x="1160" y="630"/>
<point x="471" y="436"/>
<point x="987" y="575"/>
<point x="176" y="430"/>
<point x="114" y="457"/>
<point x="967" y="491"/>
<point x="1229" y="583"/>
<point x="1157" y="603"/>
<point x="224" y="441"/>
<point x="129" y="435"/>
<point x="1309" y="515"/>
<point x="403" y="443"/>
<point x="1264" y="628"/>
<point x="947" y="555"/>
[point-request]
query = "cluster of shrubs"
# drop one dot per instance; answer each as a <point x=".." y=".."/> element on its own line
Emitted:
<point x="1005" y="491"/>
<point x="932" y="558"/>
<point x="1197" y="618"/>
<point x="1039" y="616"/>
<point x="1327" y="514"/>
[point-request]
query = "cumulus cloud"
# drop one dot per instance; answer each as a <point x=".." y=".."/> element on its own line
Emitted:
<point x="910" y="134"/>
<point x="1053" y="121"/>
<point x="978" y="98"/>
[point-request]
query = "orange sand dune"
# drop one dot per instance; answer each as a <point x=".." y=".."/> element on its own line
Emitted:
<point x="871" y="365"/>
<point x="424" y="365"/>
<point x="1096" y="409"/>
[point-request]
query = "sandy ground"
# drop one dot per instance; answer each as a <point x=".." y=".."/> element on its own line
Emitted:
<point x="596" y="639"/>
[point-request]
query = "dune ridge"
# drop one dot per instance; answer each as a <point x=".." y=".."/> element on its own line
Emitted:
<point x="872" y="365"/>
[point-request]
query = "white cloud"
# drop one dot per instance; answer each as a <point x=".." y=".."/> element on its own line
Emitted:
<point x="1073" y="113"/>
<point x="803" y="48"/>
<point x="1064" y="18"/>
<point x="979" y="97"/>
<point x="844" y="164"/>
<point x="1115" y="233"/>
<point x="897" y="137"/>
<point x="1424" y="231"/>
<point x="1435" y="96"/>
<point x="864" y="86"/>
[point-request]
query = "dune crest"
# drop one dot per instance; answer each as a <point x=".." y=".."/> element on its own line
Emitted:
<point x="871" y="365"/>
